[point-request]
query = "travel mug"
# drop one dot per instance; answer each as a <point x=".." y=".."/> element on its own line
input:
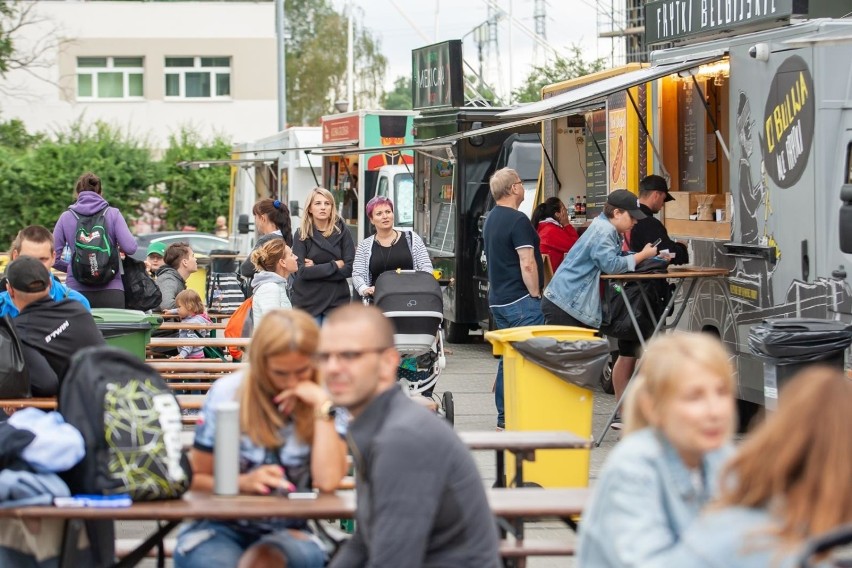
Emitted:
<point x="226" y="449"/>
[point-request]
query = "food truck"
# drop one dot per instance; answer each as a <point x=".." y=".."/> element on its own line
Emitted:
<point x="350" y="173"/>
<point x="279" y="166"/>
<point x="749" y="115"/>
<point x="452" y="194"/>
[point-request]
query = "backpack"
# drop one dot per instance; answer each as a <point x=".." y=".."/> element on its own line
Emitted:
<point x="140" y="290"/>
<point x="616" y="320"/>
<point x="240" y="324"/>
<point x="131" y="423"/>
<point x="14" y="376"/>
<point x="95" y="259"/>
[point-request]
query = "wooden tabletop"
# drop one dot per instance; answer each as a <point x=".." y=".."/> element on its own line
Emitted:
<point x="673" y="272"/>
<point x="179" y="365"/>
<point x="176" y="325"/>
<point x="199" y="342"/>
<point x="49" y="402"/>
<point x="506" y="503"/>
<point x="195" y="505"/>
<point x="523" y="441"/>
<point x="533" y="502"/>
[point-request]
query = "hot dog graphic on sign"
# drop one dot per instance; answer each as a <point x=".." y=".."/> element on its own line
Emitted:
<point x="617" y="149"/>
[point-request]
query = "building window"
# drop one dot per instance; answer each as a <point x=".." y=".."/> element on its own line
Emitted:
<point x="198" y="77"/>
<point x="110" y="78"/>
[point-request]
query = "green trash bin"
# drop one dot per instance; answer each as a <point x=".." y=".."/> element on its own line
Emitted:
<point x="126" y="329"/>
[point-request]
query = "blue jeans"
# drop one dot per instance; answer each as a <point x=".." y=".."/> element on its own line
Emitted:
<point x="523" y="312"/>
<point x="213" y="544"/>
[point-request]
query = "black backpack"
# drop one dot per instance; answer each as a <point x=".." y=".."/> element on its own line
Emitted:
<point x="616" y="320"/>
<point x="131" y="424"/>
<point x="95" y="259"/>
<point x="140" y="290"/>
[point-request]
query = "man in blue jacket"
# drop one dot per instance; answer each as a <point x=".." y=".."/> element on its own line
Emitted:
<point x="37" y="241"/>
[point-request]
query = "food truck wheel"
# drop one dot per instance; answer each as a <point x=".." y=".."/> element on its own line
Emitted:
<point x="457" y="333"/>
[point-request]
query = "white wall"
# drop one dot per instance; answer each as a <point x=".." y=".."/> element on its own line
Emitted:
<point x="44" y="97"/>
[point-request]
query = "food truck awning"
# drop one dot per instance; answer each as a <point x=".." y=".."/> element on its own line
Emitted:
<point x="246" y="162"/>
<point x="826" y="37"/>
<point x="583" y="97"/>
<point x="603" y="88"/>
<point x="437" y="144"/>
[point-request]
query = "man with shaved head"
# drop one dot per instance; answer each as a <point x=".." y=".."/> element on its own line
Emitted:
<point x="420" y="498"/>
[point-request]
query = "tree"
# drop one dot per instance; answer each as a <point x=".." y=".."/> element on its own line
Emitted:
<point x="400" y="97"/>
<point x="28" y="56"/>
<point x="195" y="196"/>
<point x="36" y="184"/>
<point x="316" y="62"/>
<point x="561" y="69"/>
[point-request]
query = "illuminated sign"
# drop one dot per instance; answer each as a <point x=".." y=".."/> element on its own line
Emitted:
<point x="437" y="79"/>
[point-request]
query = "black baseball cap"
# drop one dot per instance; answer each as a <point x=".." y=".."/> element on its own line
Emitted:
<point x="27" y="274"/>
<point x="656" y="183"/>
<point x="623" y="199"/>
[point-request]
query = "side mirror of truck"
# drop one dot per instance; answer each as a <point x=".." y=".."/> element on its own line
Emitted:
<point x="243" y="225"/>
<point x="846" y="218"/>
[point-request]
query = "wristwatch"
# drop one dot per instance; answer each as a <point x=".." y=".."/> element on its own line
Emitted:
<point x="324" y="411"/>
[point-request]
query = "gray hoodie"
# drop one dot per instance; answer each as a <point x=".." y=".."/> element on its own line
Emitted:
<point x="269" y="291"/>
<point x="170" y="283"/>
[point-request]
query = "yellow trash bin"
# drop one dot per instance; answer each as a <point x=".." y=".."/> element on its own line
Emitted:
<point x="538" y="400"/>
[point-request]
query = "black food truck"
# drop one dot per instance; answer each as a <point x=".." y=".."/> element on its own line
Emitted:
<point x="452" y="194"/>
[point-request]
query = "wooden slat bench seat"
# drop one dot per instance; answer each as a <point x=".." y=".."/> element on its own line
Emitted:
<point x="178" y="325"/>
<point x="188" y="365"/>
<point x="186" y="401"/>
<point x="535" y="547"/>
<point x="199" y="342"/>
<point x="190" y="386"/>
<point x="192" y="376"/>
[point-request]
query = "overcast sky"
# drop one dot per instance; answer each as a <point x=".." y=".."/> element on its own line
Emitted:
<point x="568" y="22"/>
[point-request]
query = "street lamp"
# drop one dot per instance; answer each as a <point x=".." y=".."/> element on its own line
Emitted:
<point x="341" y="105"/>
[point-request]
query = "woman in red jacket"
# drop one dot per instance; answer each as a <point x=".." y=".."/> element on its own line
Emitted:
<point x="551" y="221"/>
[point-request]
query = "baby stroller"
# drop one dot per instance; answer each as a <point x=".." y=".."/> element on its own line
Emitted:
<point x="412" y="300"/>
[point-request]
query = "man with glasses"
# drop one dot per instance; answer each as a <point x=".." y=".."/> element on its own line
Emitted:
<point x="515" y="269"/>
<point x="420" y="498"/>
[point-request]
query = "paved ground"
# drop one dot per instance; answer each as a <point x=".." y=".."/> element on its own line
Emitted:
<point x="469" y="376"/>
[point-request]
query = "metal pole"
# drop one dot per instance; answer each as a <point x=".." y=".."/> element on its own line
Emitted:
<point x="281" y="51"/>
<point x="350" y="60"/>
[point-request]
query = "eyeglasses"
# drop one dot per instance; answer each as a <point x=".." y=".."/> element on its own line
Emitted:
<point x="349" y="356"/>
<point x="519" y="182"/>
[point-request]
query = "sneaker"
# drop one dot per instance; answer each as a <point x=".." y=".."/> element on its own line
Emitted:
<point x="616" y="423"/>
<point x="499" y="429"/>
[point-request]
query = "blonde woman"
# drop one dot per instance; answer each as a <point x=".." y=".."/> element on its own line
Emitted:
<point x="679" y="421"/>
<point x="288" y="437"/>
<point x="791" y="480"/>
<point x="274" y="262"/>
<point x="325" y="252"/>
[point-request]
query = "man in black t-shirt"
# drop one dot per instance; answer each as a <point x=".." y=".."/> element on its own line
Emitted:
<point x="50" y="332"/>
<point x="515" y="276"/>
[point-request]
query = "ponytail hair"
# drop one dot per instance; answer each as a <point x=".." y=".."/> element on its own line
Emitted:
<point x="662" y="369"/>
<point x="267" y="255"/>
<point x="88" y="182"/>
<point x="278" y="214"/>
<point x="547" y="208"/>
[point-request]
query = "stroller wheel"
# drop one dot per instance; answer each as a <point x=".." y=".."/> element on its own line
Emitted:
<point x="449" y="407"/>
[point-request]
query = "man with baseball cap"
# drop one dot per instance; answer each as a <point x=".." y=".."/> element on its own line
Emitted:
<point x="573" y="296"/>
<point x="653" y="194"/>
<point x="50" y="332"/>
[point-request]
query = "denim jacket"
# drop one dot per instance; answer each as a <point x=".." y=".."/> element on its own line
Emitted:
<point x="575" y="287"/>
<point x="643" y="502"/>
<point x="738" y="537"/>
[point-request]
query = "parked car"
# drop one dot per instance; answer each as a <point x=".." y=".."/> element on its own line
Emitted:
<point x="201" y="243"/>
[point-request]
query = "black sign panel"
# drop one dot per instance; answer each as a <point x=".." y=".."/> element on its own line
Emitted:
<point x="788" y="122"/>
<point x="691" y="139"/>
<point x="596" y="139"/>
<point x="674" y="20"/>
<point x="437" y="79"/>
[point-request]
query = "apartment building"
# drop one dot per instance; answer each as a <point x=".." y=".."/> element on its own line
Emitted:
<point x="149" y="68"/>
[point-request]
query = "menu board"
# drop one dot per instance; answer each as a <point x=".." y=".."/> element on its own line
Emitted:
<point x="596" y="183"/>
<point x="444" y="233"/>
<point x="691" y="139"/>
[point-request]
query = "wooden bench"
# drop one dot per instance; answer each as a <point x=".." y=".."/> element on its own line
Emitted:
<point x="199" y="342"/>
<point x="178" y="325"/>
<point x="188" y="365"/>
<point x="186" y="401"/>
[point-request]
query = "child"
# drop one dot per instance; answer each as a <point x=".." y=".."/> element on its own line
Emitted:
<point x="190" y="308"/>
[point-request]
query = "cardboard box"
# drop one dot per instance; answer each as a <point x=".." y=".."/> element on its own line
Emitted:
<point x="680" y="207"/>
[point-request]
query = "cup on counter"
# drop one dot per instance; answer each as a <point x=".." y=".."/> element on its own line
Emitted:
<point x="720" y="215"/>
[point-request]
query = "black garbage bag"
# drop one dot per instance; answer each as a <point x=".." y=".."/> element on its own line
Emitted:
<point x="579" y="362"/>
<point x="799" y="339"/>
